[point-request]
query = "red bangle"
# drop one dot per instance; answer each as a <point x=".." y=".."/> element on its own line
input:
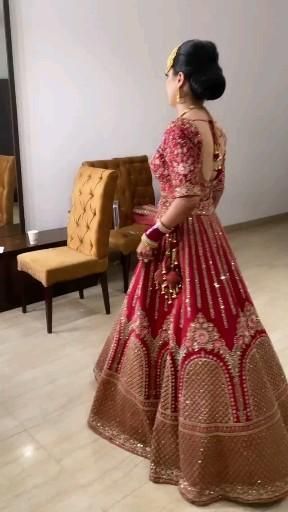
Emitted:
<point x="155" y="234"/>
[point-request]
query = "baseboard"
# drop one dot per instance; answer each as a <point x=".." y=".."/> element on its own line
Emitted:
<point x="273" y="219"/>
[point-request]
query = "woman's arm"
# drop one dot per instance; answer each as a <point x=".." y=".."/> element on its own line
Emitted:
<point x="182" y="148"/>
<point x="179" y="210"/>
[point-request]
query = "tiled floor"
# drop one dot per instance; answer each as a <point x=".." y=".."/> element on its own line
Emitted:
<point x="49" y="460"/>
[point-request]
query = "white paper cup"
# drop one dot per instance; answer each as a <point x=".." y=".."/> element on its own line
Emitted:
<point x="33" y="235"/>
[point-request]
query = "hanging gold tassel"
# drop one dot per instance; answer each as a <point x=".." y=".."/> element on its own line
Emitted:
<point x="169" y="276"/>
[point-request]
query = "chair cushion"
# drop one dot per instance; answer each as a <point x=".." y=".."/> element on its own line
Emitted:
<point x="126" y="239"/>
<point x="51" y="266"/>
<point x="145" y="214"/>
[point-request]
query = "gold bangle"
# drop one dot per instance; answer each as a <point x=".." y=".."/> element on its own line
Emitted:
<point x="149" y="243"/>
<point x="166" y="230"/>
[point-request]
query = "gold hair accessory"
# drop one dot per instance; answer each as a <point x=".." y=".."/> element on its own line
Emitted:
<point x="171" y="58"/>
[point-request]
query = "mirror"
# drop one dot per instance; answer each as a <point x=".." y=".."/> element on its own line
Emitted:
<point x="11" y="197"/>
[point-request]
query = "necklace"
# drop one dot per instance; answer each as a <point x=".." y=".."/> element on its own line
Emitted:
<point x="193" y="107"/>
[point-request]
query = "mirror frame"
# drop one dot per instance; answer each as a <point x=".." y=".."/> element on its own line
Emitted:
<point x="9" y="50"/>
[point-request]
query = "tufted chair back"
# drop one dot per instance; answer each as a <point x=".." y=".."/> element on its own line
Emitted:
<point x="7" y="188"/>
<point x="91" y="211"/>
<point x="134" y="187"/>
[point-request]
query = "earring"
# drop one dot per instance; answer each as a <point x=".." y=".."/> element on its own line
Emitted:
<point x="179" y="98"/>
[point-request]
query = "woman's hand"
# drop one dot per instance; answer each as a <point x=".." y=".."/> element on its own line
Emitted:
<point x="144" y="252"/>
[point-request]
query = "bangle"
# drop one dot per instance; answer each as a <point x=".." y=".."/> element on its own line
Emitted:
<point x="149" y="243"/>
<point x="155" y="234"/>
<point x="163" y="228"/>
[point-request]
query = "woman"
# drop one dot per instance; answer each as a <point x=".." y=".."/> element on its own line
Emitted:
<point x="188" y="378"/>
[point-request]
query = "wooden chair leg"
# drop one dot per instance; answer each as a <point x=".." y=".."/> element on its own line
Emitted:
<point x="81" y="294"/>
<point x="126" y="264"/>
<point x="105" y="292"/>
<point x="48" y="293"/>
<point x="23" y="291"/>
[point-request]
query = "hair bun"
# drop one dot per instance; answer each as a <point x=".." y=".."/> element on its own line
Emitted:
<point x="204" y="54"/>
<point x="199" y="61"/>
<point x="209" y="85"/>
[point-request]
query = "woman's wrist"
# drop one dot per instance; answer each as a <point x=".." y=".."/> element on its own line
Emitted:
<point x="156" y="233"/>
<point x="163" y="227"/>
<point x="148" y="242"/>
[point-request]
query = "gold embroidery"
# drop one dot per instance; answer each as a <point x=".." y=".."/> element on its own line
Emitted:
<point x="216" y="283"/>
<point x="136" y="407"/>
<point x="204" y="268"/>
<point x="222" y="268"/>
<point x="187" y="291"/>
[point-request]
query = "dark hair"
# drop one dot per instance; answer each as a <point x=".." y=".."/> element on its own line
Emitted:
<point x="199" y="62"/>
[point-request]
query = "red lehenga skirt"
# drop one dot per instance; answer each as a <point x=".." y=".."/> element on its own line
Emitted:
<point x="195" y="386"/>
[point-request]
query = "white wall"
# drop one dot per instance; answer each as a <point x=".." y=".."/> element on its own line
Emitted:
<point x="90" y="84"/>
<point x="3" y="56"/>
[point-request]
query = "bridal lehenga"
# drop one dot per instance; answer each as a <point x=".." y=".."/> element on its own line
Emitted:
<point x="189" y="379"/>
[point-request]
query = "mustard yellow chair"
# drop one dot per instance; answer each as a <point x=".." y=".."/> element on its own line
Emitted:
<point x="7" y="188"/>
<point x="134" y="189"/>
<point x="86" y="253"/>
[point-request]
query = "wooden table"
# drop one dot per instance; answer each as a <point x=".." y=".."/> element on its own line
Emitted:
<point x="14" y="243"/>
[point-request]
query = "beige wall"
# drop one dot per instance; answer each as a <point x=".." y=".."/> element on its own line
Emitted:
<point x="90" y="84"/>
